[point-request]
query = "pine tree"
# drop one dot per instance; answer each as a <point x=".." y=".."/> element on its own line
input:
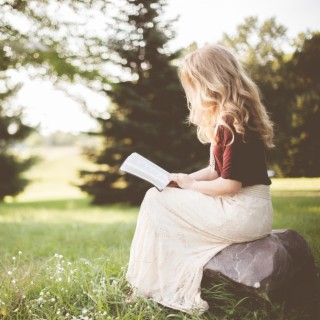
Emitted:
<point x="12" y="167"/>
<point x="148" y="113"/>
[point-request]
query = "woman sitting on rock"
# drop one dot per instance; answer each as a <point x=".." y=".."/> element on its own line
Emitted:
<point x="180" y="229"/>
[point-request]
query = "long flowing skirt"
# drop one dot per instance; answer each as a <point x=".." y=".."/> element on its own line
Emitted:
<point x="178" y="231"/>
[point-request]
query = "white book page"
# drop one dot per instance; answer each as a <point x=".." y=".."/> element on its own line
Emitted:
<point x="146" y="169"/>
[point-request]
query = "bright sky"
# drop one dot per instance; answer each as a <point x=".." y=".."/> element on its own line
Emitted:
<point x="200" y="21"/>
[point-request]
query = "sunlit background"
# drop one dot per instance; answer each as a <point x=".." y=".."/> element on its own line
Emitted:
<point x="201" y="21"/>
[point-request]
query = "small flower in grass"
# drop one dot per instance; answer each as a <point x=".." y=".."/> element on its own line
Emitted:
<point x="53" y="299"/>
<point x="20" y="253"/>
<point x="257" y="285"/>
<point x="58" y="256"/>
<point x="14" y="258"/>
<point x="9" y="273"/>
<point x="84" y="310"/>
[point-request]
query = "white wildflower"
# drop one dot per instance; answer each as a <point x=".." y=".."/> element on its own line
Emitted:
<point x="9" y="273"/>
<point x="20" y="252"/>
<point x="53" y="299"/>
<point x="257" y="285"/>
<point x="14" y="258"/>
<point x="14" y="281"/>
<point x="84" y="310"/>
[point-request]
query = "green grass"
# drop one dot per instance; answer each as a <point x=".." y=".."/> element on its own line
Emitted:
<point x="55" y="176"/>
<point x="74" y="257"/>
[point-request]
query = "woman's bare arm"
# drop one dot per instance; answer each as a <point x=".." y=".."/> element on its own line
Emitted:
<point x="215" y="187"/>
<point x="204" y="174"/>
<point x="218" y="187"/>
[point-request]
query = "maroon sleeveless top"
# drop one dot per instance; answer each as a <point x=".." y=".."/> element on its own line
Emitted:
<point x="241" y="161"/>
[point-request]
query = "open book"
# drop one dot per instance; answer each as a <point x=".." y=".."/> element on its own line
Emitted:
<point x="147" y="170"/>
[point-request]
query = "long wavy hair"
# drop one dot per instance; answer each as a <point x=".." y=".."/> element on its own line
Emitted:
<point x="217" y="88"/>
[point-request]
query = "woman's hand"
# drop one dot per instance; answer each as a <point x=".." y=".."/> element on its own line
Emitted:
<point x="183" y="180"/>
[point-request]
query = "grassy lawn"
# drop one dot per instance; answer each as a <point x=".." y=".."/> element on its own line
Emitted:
<point x="64" y="259"/>
<point x="74" y="256"/>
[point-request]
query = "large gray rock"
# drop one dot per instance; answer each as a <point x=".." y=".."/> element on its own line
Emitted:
<point x="280" y="265"/>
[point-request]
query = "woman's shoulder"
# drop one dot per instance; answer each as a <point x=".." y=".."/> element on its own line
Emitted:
<point x="227" y="133"/>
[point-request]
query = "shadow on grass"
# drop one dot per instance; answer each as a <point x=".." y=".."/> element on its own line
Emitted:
<point x="63" y="204"/>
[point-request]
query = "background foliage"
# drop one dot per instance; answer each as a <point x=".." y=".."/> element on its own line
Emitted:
<point x="147" y="111"/>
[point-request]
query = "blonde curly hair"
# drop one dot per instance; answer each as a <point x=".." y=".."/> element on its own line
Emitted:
<point x="217" y="88"/>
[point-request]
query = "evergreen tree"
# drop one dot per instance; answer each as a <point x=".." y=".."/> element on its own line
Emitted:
<point x="148" y="113"/>
<point x="12" y="167"/>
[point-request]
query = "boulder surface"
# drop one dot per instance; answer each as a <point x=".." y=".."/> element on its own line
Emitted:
<point x="280" y="265"/>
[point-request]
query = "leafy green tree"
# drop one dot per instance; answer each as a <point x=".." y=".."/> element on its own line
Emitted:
<point x="31" y="37"/>
<point x="304" y="141"/>
<point x="148" y="112"/>
<point x="261" y="47"/>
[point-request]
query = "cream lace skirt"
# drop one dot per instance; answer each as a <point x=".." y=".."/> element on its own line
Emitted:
<point x="178" y="231"/>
